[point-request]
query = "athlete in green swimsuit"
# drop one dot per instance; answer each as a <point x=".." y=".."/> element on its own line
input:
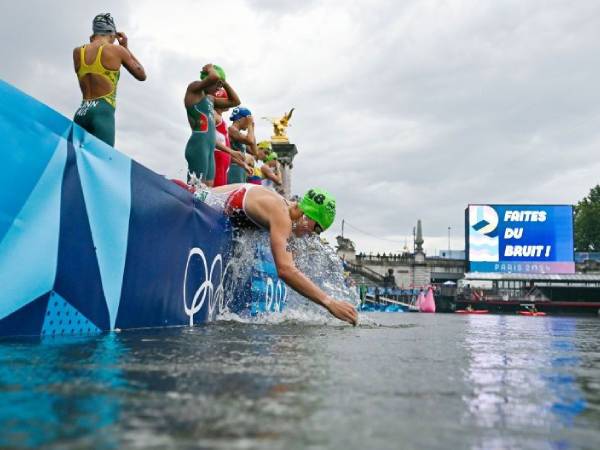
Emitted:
<point x="199" y="103"/>
<point x="98" y="69"/>
<point x="201" y="144"/>
<point x="242" y="120"/>
<point x="236" y="173"/>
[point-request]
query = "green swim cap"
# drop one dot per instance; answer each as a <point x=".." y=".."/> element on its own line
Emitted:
<point x="319" y="205"/>
<point x="271" y="156"/>
<point x="219" y="71"/>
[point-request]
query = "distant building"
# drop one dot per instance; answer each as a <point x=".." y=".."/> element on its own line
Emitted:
<point x="587" y="262"/>
<point x="404" y="270"/>
<point x="345" y="249"/>
<point x="452" y="254"/>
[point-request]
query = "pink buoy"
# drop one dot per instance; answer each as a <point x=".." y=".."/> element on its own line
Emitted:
<point x="427" y="304"/>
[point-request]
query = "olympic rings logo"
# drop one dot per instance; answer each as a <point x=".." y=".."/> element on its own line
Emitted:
<point x="208" y="290"/>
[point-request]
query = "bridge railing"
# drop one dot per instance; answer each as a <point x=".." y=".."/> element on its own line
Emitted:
<point x="362" y="270"/>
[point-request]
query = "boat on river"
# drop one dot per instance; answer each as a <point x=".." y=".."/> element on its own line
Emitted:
<point x="531" y="313"/>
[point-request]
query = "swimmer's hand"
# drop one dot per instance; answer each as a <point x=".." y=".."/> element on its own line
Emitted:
<point x="342" y="310"/>
<point x="122" y="38"/>
<point x="211" y="72"/>
<point x="238" y="158"/>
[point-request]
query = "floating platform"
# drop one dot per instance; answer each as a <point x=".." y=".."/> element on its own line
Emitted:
<point x="91" y="240"/>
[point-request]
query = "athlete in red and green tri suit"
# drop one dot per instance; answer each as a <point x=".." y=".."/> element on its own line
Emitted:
<point x="224" y="154"/>
<point x="199" y="103"/>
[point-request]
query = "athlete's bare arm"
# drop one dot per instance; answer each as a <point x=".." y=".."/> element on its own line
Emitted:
<point x="237" y="157"/>
<point x="238" y="136"/>
<point x="76" y="51"/>
<point x="231" y="101"/>
<point x="280" y="227"/>
<point x="129" y="61"/>
<point x="270" y="174"/>
<point x="252" y="146"/>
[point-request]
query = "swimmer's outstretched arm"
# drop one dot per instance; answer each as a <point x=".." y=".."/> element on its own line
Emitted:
<point x="280" y="229"/>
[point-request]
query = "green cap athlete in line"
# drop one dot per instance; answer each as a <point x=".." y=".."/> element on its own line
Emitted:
<point x="200" y="101"/>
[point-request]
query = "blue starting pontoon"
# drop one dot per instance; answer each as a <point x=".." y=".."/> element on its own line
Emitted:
<point x="91" y="241"/>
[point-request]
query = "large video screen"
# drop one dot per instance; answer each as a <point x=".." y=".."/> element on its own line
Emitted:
<point x="520" y="238"/>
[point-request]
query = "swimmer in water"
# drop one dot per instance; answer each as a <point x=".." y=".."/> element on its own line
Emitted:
<point x="254" y="205"/>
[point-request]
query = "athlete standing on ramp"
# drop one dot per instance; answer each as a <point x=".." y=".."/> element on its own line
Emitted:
<point x="223" y="151"/>
<point x="200" y="101"/>
<point x="98" y="67"/>
<point x="245" y="143"/>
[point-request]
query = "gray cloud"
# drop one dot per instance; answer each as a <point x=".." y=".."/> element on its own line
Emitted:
<point x="403" y="111"/>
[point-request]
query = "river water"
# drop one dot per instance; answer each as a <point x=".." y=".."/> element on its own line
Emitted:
<point x="409" y="381"/>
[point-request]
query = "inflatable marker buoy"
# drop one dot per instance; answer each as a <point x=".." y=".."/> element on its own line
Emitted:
<point x="427" y="304"/>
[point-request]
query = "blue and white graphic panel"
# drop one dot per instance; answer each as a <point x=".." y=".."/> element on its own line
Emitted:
<point x="520" y="238"/>
<point x="92" y="241"/>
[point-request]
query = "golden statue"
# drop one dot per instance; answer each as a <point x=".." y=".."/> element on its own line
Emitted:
<point x="279" y="127"/>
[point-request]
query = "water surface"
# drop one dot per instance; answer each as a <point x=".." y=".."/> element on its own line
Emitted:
<point x="397" y="381"/>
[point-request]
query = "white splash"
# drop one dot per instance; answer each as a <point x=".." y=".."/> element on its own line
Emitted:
<point x="314" y="258"/>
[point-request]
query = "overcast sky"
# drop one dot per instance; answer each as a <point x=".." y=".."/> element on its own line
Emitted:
<point x="404" y="110"/>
